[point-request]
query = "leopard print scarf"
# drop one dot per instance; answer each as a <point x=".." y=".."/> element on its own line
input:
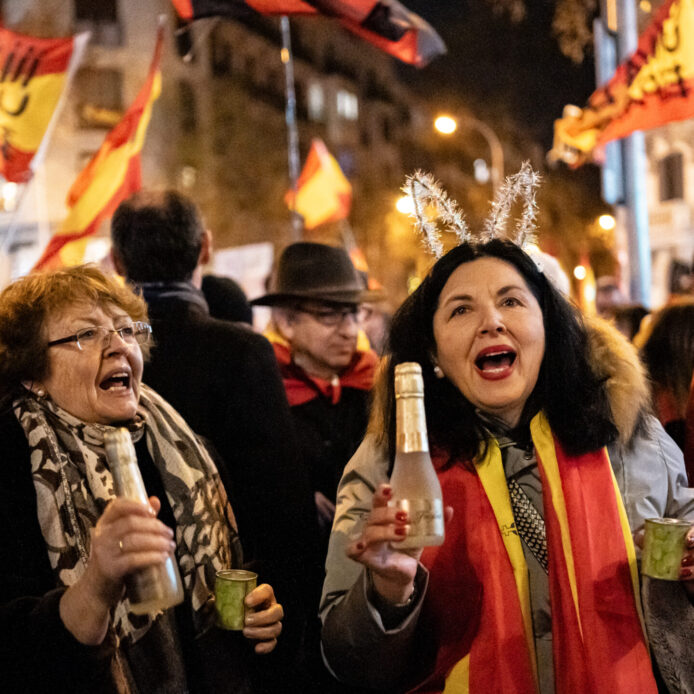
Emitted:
<point x="73" y="485"/>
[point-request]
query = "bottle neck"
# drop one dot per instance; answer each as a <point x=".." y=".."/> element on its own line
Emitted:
<point x="411" y="424"/>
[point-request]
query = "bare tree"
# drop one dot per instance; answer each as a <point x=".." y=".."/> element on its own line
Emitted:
<point x="572" y="23"/>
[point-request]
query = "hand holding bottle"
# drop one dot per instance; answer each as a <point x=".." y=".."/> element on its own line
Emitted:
<point x="392" y="570"/>
<point x="126" y="538"/>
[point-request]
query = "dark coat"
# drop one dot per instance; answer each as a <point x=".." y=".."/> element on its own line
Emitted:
<point x="223" y="378"/>
<point x="37" y="652"/>
<point x="329" y="434"/>
<point x="34" y="645"/>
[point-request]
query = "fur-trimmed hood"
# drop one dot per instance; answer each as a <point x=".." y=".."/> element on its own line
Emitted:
<point x="612" y="357"/>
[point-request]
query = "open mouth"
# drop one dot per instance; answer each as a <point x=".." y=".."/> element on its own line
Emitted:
<point x="119" y="380"/>
<point x="495" y="361"/>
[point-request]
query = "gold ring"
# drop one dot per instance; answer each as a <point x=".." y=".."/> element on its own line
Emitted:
<point x="120" y="545"/>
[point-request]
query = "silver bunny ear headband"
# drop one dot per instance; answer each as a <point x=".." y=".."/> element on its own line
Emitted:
<point x="426" y="193"/>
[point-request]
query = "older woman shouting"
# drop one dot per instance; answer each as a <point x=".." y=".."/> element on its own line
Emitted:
<point x="71" y="358"/>
<point x="547" y="460"/>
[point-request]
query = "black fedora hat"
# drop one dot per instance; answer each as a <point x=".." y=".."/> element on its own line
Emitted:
<point x="314" y="271"/>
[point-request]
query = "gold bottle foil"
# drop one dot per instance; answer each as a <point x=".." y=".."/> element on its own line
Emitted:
<point x="410" y="417"/>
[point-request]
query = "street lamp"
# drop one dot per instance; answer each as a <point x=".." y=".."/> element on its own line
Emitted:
<point x="447" y="125"/>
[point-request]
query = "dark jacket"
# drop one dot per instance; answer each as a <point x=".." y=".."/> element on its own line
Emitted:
<point x="34" y="645"/>
<point x="37" y="652"/>
<point x="223" y="378"/>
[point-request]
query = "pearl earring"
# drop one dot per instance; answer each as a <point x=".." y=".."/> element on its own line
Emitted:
<point x="40" y="392"/>
<point x="438" y="371"/>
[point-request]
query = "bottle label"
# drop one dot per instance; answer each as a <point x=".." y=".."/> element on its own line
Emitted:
<point x="426" y="516"/>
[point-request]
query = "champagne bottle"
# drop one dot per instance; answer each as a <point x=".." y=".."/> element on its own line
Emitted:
<point x="415" y="486"/>
<point x="152" y="588"/>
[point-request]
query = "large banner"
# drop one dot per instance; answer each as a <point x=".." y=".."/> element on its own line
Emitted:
<point x="34" y="74"/>
<point x="111" y="175"/>
<point x="655" y="86"/>
<point x="384" y="23"/>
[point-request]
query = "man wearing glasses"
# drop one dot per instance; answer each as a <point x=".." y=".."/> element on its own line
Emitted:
<point x="316" y="299"/>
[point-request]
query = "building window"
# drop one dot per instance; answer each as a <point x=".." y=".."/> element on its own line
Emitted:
<point x="187" y="107"/>
<point x="101" y="18"/>
<point x="671" y="177"/>
<point x="316" y="102"/>
<point x="347" y="105"/>
<point x="99" y="100"/>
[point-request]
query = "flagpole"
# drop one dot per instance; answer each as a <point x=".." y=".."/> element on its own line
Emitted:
<point x="292" y="131"/>
<point x="634" y="161"/>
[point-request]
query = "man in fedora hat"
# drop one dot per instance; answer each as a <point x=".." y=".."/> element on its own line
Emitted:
<point x="316" y="295"/>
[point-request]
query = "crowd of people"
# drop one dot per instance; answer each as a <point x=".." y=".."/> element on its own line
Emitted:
<point x="553" y="439"/>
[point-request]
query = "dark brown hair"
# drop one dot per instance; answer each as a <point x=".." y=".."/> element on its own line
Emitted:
<point x="572" y="397"/>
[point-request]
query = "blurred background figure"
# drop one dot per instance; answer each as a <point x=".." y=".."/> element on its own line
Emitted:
<point x="608" y="295"/>
<point x="375" y="322"/>
<point x="226" y="300"/>
<point x="224" y="380"/>
<point x="668" y="354"/>
<point x="627" y="319"/>
<point x="316" y="294"/>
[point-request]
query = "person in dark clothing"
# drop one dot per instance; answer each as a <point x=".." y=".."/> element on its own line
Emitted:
<point x="226" y="300"/>
<point x="668" y="354"/>
<point x="224" y="380"/>
<point x="316" y="295"/>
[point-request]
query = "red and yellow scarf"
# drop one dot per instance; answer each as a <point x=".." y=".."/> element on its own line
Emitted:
<point x="479" y="576"/>
<point x="302" y="388"/>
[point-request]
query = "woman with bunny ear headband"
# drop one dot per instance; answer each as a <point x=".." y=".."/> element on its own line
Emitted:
<point x="546" y="455"/>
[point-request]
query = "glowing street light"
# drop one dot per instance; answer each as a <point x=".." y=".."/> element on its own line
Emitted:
<point x="607" y="222"/>
<point x="404" y="205"/>
<point x="447" y="125"/>
<point x="580" y="272"/>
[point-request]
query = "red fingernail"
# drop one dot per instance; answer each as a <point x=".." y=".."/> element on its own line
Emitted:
<point x="387" y="491"/>
<point x="400" y="531"/>
<point x="688" y="561"/>
<point x="685" y="573"/>
<point x="401" y="516"/>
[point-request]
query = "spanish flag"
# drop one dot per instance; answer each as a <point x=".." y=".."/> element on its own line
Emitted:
<point x="323" y="193"/>
<point x="654" y="87"/>
<point x="34" y="74"/>
<point x="385" y="23"/>
<point x="111" y="175"/>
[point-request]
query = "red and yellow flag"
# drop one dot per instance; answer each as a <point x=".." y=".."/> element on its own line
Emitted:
<point x="655" y="86"/>
<point x="323" y="193"/>
<point x="111" y="175"/>
<point x="384" y="23"/>
<point x="33" y="75"/>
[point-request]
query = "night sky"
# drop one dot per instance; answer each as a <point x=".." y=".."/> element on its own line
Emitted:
<point x="496" y="67"/>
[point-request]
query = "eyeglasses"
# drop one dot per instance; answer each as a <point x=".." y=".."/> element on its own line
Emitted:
<point x="332" y="317"/>
<point x="100" y="336"/>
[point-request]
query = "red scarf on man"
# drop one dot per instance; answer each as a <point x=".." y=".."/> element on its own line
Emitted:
<point x="302" y="388"/>
<point x="476" y="612"/>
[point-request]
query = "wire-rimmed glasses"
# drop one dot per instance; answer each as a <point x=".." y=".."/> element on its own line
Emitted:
<point x="100" y="336"/>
